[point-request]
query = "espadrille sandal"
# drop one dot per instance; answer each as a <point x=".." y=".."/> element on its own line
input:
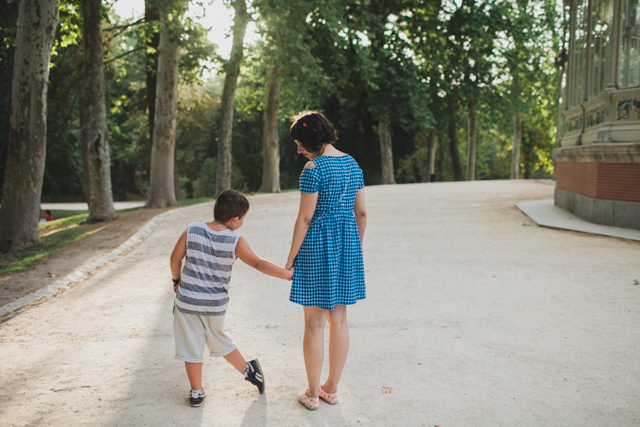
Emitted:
<point x="311" y="403"/>
<point x="330" y="398"/>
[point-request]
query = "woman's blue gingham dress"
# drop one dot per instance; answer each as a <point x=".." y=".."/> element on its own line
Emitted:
<point x="329" y="270"/>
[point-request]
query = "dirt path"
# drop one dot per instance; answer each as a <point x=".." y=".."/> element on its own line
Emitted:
<point x="474" y="316"/>
<point x="105" y="237"/>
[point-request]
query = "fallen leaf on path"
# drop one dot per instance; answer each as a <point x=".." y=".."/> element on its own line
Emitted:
<point x="386" y="390"/>
<point x="70" y="388"/>
<point x="51" y="275"/>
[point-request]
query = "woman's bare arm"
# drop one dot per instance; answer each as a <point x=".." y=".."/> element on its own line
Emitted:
<point x="308" y="202"/>
<point x="360" y="212"/>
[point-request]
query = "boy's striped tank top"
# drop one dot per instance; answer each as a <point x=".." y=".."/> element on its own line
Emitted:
<point x="204" y="282"/>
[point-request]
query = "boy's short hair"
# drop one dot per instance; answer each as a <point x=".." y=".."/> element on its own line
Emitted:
<point x="312" y="129"/>
<point x="230" y="204"/>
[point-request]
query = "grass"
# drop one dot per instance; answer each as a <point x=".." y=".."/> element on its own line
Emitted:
<point x="13" y="262"/>
<point x="64" y="222"/>
<point x="59" y="213"/>
<point x="60" y="232"/>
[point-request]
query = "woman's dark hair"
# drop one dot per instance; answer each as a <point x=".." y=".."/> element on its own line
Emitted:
<point x="230" y="204"/>
<point x="312" y="129"/>
<point x="48" y="212"/>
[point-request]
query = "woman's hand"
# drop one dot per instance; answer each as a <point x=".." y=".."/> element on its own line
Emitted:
<point x="289" y="264"/>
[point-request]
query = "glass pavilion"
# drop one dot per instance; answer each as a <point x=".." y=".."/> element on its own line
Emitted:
<point x="597" y="159"/>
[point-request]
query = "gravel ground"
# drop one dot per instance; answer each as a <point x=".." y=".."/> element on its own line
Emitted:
<point x="474" y="316"/>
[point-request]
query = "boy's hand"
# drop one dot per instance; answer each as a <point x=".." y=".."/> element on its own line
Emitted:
<point x="289" y="276"/>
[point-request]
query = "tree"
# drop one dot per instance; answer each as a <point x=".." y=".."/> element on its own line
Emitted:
<point x="387" y="152"/>
<point x="93" y="117"/>
<point x="431" y="156"/>
<point x="471" y="139"/>
<point x="151" y="18"/>
<point x="271" y="161"/>
<point x="232" y="70"/>
<point x="162" y="179"/>
<point x="20" y="211"/>
<point x="532" y="29"/>
<point x="284" y="57"/>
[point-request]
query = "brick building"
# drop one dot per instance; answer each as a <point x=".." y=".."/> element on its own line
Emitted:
<point x="597" y="159"/>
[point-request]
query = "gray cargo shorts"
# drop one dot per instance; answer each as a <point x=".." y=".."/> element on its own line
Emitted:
<point x="193" y="331"/>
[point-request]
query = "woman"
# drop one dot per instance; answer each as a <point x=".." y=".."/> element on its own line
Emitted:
<point x="326" y="250"/>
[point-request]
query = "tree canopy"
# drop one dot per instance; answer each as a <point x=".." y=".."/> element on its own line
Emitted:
<point x="413" y="69"/>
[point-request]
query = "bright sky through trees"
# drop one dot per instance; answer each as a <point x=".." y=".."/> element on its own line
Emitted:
<point x="214" y="15"/>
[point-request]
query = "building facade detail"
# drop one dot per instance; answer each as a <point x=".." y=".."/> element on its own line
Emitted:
<point x="597" y="155"/>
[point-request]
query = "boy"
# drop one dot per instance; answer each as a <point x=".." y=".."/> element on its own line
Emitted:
<point x="202" y="290"/>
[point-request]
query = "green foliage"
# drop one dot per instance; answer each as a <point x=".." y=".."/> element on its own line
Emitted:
<point x="404" y="62"/>
<point x="68" y="32"/>
<point x="205" y="185"/>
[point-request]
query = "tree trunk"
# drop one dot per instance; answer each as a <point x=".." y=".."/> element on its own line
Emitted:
<point x="94" y="129"/>
<point x="37" y="21"/>
<point x="431" y="156"/>
<point x="471" y="140"/>
<point x="152" y="14"/>
<point x="370" y="148"/>
<point x="4" y="136"/>
<point x="232" y="70"/>
<point x="386" y="153"/>
<point x="453" y="144"/>
<point x="271" y="162"/>
<point x="161" y="182"/>
<point x="515" y="152"/>
<point x="176" y="181"/>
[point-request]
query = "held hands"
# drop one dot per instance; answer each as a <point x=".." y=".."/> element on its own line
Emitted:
<point x="289" y="267"/>
<point x="289" y="275"/>
<point x="289" y="264"/>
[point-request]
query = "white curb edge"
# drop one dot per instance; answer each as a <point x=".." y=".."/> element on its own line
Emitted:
<point x="67" y="282"/>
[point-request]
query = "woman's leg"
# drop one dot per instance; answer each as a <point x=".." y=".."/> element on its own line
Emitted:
<point x="313" y="346"/>
<point x="338" y="346"/>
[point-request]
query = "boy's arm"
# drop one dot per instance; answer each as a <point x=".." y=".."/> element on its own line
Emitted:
<point x="177" y="255"/>
<point x="246" y="254"/>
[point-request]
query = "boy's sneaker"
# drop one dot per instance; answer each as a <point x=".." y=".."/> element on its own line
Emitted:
<point x="253" y="373"/>
<point x="196" y="397"/>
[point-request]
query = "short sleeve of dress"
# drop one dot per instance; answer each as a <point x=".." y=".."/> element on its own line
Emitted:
<point x="360" y="180"/>
<point x="310" y="181"/>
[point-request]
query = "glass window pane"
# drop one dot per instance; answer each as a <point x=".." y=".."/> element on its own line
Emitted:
<point x="578" y="55"/>
<point x="629" y="57"/>
<point x="600" y="49"/>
